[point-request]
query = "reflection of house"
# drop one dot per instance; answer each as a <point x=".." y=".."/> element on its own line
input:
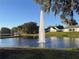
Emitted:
<point x="53" y="42"/>
<point x="54" y="29"/>
<point x="71" y="29"/>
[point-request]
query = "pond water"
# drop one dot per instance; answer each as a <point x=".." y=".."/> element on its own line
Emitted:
<point x="51" y="42"/>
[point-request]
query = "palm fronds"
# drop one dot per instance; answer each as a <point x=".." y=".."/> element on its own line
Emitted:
<point x="66" y="7"/>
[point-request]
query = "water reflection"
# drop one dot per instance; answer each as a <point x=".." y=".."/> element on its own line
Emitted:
<point x="52" y="42"/>
<point x="69" y="42"/>
<point x="8" y="42"/>
<point x="28" y="42"/>
<point x="14" y="42"/>
<point x="64" y="42"/>
<point x="77" y="42"/>
<point x="41" y="45"/>
<point x="72" y="43"/>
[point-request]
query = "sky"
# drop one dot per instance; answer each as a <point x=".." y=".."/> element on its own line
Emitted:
<point x="17" y="12"/>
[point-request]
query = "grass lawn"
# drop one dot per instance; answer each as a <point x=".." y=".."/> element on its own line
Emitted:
<point x="63" y="34"/>
<point x="29" y="34"/>
<point x="60" y="34"/>
<point x="38" y="53"/>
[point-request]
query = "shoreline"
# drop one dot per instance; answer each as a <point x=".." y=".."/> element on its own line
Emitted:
<point x="48" y="34"/>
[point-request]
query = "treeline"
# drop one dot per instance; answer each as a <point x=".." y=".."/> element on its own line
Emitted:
<point x="5" y="31"/>
<point x="29" y="28"/>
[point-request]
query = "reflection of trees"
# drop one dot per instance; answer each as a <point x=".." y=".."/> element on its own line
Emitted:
<point x="22" y="41"/>
<point x="25" y="42"/>
<point x="18" y="40"/>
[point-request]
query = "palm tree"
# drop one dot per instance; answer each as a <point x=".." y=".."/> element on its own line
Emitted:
<point x="45" y="4"/>
<point x="66" y="7"/>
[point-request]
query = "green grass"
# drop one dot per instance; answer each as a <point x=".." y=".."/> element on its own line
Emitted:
<point x="38" y="53"/>
<point x="59" y="34"/>
<point x="63" y="34"/>
<point x="29" y="34"/>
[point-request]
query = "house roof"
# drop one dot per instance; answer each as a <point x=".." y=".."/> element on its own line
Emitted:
<point x="49" y="27"/>
<point x="57" y="27"/>
<point x="54" y="27"/>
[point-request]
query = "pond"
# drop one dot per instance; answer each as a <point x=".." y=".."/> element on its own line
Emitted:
<point x="51" y="42"/>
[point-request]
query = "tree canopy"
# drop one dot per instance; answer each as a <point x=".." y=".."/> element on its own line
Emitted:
<point x="5" y="30"/>
<point x="65" y="7"/>
<point x="30" y="28"/>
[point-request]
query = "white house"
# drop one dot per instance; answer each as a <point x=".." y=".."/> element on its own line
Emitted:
<point x="71" y="29"/>
<point x="53" y="29"/>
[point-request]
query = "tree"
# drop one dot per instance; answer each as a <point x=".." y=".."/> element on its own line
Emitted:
<point x="5" y="30"/>
<point x="30" y="28"/>
<point x="66" y="7"/>
<point x="14" y="30"/>
<point x="60" y="27"/>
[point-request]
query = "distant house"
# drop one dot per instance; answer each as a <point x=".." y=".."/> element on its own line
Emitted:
<point x="54" y="29"/>
<point x="17" y="33"/>
<point x="62" y="29"/>
<point x="71" y="29"/>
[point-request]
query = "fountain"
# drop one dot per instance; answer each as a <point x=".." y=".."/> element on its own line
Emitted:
<point x="42" y="45"/>
<point x="41" y="31"/>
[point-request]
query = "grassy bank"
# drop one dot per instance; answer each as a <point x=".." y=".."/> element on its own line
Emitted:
<point x="38" y="53"/>
<point x="63" y="34"/>
<point x="60" y="34"/>
<point x="29" y="35"/>
<point x="21" y="35"/>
